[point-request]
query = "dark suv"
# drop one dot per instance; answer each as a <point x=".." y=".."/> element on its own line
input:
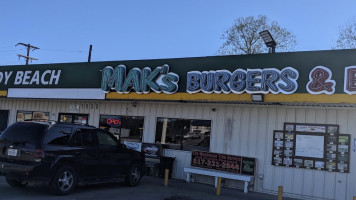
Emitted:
<point x="63" y="155"/>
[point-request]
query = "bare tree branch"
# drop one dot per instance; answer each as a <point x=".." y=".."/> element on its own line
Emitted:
<point x="243" y="36"/>
<point x="347" y="36"/>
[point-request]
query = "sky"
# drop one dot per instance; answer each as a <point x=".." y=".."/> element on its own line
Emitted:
<point x="154" y="29"/>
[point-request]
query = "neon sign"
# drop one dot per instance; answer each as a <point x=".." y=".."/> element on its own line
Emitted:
<point x="113" y="122"/>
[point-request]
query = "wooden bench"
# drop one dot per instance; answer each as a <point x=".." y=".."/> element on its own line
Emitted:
<point x="216" y="174"/>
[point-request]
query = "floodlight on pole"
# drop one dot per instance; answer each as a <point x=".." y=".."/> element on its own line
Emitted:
<point x="268" y="39"/>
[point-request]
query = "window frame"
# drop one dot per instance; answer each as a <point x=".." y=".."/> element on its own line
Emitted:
<point x="73" y="117"/>
<point x="184" y="147"/>
<point x="32" y="118"/>
<point x="120" y="138"/>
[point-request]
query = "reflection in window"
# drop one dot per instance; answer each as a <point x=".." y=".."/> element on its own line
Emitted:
<point x="105" y="140"/>
<point x="32" y="116"/>
<point x="57" y="136"/>
<point x="185" y="134"/>
<point x="73" y="118"/>
<point x="125" y="128"/>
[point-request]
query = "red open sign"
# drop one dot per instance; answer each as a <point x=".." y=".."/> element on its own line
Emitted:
<point x="113" y="122"/>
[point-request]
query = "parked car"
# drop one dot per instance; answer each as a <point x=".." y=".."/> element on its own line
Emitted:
<point x="192" y="135"/>
<point x="64" y="155"/>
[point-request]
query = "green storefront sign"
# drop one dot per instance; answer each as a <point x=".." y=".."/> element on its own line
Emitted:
<point x="319" y="72"/>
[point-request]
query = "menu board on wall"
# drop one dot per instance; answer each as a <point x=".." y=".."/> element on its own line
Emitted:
<point x="309" y="146"/>
<point x="224" y="162"/>
<point x="312" y="146"/>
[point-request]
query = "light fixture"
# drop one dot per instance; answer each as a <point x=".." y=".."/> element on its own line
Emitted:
<point x="268" y="39"/>
<point x="257" y="97"/>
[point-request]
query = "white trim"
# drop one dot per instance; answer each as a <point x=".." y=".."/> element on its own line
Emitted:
<point x="56" y="93"/>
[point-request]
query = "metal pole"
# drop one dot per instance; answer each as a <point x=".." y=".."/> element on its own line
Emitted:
<point x="273" y="49"/>
<point x="280" y="192"/>
<point x="218" y="188"/>
<point x="28" y="53"/>
<point x="166" y="174"/>
<point x="90" y="48"/>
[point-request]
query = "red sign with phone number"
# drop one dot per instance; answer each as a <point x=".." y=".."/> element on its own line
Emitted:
<point x="224" y="162"/>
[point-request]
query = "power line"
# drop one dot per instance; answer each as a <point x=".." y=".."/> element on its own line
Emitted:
<point x="10" y="50"/>
<point x="3" y="47"/>
<point x="28" y="46"/>
<point x="65" y="50"/>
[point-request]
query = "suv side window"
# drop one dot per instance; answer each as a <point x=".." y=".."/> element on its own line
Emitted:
<point x="84" y="137"/>
<point x="76" y="139"/>
<point x="57" y="136"/>
<point x="105" y="139"/>
<point x="89" y="138"/>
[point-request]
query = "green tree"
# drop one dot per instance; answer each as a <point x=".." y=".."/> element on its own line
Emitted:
<point x="347" y="36"/>
<point x="243" y="36"/>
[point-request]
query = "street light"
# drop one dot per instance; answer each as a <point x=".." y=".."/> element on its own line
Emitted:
<point x="268" y="39"/>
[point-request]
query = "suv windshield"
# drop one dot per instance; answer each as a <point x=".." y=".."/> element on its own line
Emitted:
<point x="24" y="132"/>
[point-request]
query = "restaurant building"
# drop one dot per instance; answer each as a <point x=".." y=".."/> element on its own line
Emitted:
<point x="301" y="128"/>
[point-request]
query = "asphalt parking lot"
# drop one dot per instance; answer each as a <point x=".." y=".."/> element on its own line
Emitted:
<point x="150" y="188"/>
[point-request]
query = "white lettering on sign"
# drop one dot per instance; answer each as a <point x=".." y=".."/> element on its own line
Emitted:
<point x="44" y="76"/>
<point x="269" y="80"/>
<point x="35" y="78"/>
<point x="48" y="77"/>
<point x="350" y="80"/>
<point x="7" y="76"/>
<point x="55" y="77"/>
<point x="26" y="78"/>
<point x="18" y="78"/>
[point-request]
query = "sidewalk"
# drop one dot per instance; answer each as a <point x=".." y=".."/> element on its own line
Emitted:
<point x="150" y="188"/>
<point x="153" y="189"/>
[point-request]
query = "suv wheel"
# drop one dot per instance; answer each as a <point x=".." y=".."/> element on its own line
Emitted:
<point x="15" y="182"/>
<point x="64" y="180"/>
<point x="134" y="176"/>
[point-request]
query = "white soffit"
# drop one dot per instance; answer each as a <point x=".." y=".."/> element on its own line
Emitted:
<point x="56" y="93"/>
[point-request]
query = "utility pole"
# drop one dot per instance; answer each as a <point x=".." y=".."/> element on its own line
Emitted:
<point x="89" y="56"/>
<point x="28" y="46"/>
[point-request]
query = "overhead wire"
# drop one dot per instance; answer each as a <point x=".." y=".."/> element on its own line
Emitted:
<point x="10" y="50"/>
<point x="7" y="52"/>
<point x="3" y="47"/>
<point x="74" y="51"/>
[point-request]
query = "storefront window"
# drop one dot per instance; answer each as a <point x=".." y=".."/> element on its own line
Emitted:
<point x="184" y="134"/>
<point x="32" y="116"/>
<point x="125" y="128"/>
<point x="73" y="118"/>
